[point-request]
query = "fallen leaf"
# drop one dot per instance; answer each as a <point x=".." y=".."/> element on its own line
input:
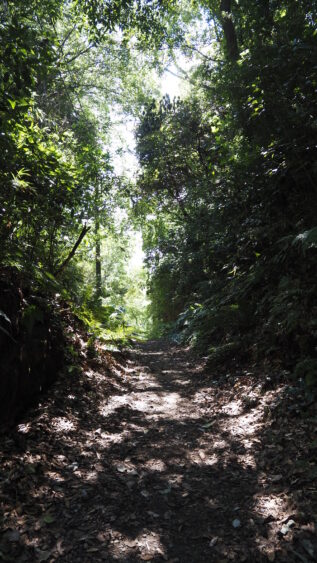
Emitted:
<point x="99" y="467"/>
<point x="42" y="555"/>
<point x="146" y="556"/>
<point x="103" y="536"/>
<point x="208" y="425"/>
<point x="213" y="541"/>
<point x="121" y="468"/>
<point x="130" y="543"/>
<point x="48" y="518"/>
<point x="276" y="478"/>
<point x="287" y="527"/>
<point x="59" y="548"/>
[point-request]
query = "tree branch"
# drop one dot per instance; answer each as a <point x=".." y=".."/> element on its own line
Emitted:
<point x="202" y="55"/>
<point x="73" y="250"/>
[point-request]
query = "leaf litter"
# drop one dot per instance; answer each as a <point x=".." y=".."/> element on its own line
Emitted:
<point x="159" y="467"/>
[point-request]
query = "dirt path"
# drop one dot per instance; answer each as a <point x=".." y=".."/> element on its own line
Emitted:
<point x="152" y="462"/>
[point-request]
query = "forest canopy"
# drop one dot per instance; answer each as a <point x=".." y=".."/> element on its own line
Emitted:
<point x="225" y="192"/>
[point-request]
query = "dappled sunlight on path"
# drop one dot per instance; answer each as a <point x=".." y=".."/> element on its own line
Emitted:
<point x="153" y="461"/>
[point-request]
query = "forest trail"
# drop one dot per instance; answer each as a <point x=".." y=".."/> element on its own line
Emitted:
<point x="151" y="461"/>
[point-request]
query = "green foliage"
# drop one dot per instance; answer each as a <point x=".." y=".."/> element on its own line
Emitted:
<point x="226" y="195"/>
<point x="91" y="347"/>
<point x="32" y="314"/>
<point x="121" y="309"/>
<point x="228" y="179"/>
<point x="307" y="369"/>
<point x="218" y="355"/>
<point x="63" y="65"/>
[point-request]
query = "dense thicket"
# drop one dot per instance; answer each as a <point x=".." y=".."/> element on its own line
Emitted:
<point x="64" y="67"/>
<point x="228" y="189"/>
<point x="44" y="138"/>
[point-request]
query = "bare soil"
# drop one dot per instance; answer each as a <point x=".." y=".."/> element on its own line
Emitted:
<point x="149" y="458"/>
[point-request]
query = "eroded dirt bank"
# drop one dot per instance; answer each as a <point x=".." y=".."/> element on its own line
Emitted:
<point x="153" y="460"/>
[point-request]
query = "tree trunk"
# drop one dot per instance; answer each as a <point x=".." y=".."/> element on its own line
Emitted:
<point x="98" y="286"/>
<point x="229" y="30"/>
<point x="98" y="259"/>
<point x="73" y="250"/>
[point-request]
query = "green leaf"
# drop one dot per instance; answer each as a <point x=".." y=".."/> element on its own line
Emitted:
<point x="208" y="425"/>
<point x="50" y="276"/>
<point x="48" y="518"/>
<point x="12" y="103"/>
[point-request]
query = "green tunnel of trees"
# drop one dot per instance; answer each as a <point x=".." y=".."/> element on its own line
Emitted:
<point x="225" y="193"/>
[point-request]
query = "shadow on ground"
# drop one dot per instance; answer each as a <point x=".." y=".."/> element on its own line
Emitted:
<point x="155" y="462"/>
